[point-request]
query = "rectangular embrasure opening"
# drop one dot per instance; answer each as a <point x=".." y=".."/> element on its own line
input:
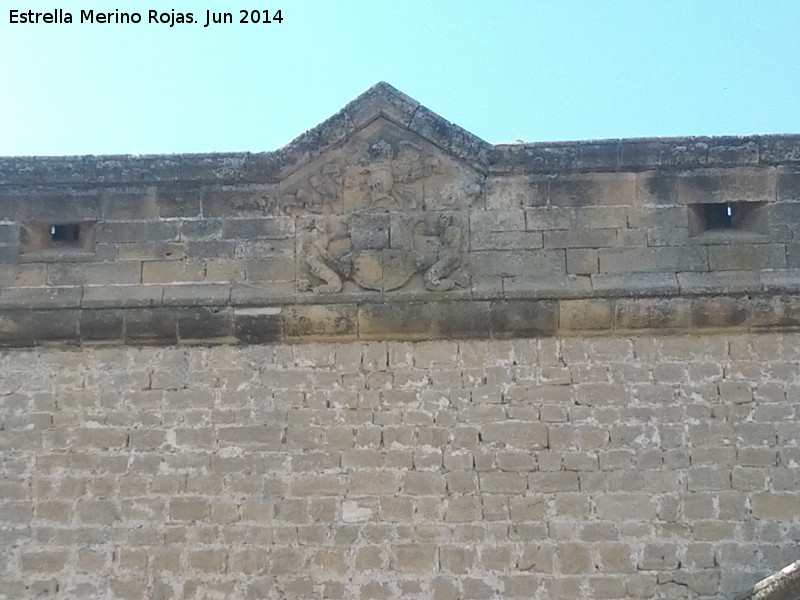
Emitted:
<point x="67" y="234"/>
<point x="45" y="238"/>
<point x="722" y="216"/>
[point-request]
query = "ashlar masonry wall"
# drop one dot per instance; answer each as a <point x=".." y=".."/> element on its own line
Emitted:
<point x="391" y="361"/>
<point x="559" y="468"/>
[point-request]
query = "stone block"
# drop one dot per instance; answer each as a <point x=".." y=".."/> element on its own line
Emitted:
<point x="172" y="271"/>
<point x="595" y="189"/>
<point x="27" y="327"/>
<point x="320" y="320"/>
<point x="267" y="437"/>
<point x="189" y="509"/>
<point x="258" y="325"/>
<point x="575" y="558"/>
<point x="721" y="311"/>
<point x="660" y="557"/>
<point x="524" y="318"/>
<point x="40" y="297"/>
<point x="548" y="286"/>
<point x="582" y="261"/>
<point x="237" y="200"/>
<point x="411" y="319"/>
<point x="224" y="269"/>
<point x="270" y="268"/>
<point x="518" y="263"/>
<point x="263" y="248"/>
<point x="502" y="483"/>
<point x="512" y="191"/>
<point x="505" y="240"/>
<point x="598" y="155"/>
<point x="586" y="315"/>
<point x="581" y="238"/>
<point x="788" y="186"/>
<point x="59" y="206"/>
<point x="602" y="217"/>
<point x="778" y="149"/>
<point x="369" y="230"/>
<point x="93" y="273"/>
<point x="745" y="257"/>
<point x="129" y="203"/>
<point x="532" y="436"/>
<point x="656" y="188"/>
<point x="201" y="229"/>
<point x="549" y="218"/>
<point x="724" y="282"/>
<point x="660" y="217"/>
<point x="414" y="558"/>
<point x="159" y="325"/>
<point x="728" y="185"/>
<point x="635" y="284"/>
<point x="653" y="313"/>
<point x="101" y="325"/>
<point x="129" y="232"/>
<point x="205" y="323"/>
<point x="178" y="200"/>
<point x="460" y="319"/>
<point x="774" y="311"/>
<point x="25" y="275"/>
<point x="160" y="251"/>
<point x="623" y="507"/>
<point x="617" y="558"/>
<point x="485" y="221"/>
<point x="733" y="151"/>
<point x="680" y="258"/>
<point x="134" y="296"/>
<point x="45" y="561"/>
<point x="9" y="234"/>
<point x="257" y="228"/>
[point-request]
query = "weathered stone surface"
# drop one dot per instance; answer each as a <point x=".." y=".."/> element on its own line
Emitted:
<point x="252" y="445"/>
<point x="387" y="202"/>
<point x="257" y="325"/>
<point x="490" y="399"/>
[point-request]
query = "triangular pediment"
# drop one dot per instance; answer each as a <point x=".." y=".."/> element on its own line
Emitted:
<point x="387" y="104"/>
<point x="381" y="166"/>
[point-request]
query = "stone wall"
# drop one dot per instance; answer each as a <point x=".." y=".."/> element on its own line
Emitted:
<point x="391" y="360"/>
<point x="560" y="468"/>
<point x="386" y="221"/>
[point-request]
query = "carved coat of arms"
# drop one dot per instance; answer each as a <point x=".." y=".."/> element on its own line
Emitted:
<point x="380" y="216"/>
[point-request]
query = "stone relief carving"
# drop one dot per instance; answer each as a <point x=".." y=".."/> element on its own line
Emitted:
<point x="314" y="240"/>
<point x="388" y="174"/>
<point x="381" y="212"/>
<point x="371" y="176"/>
<point x="319" y="194"/>
<point x="357" y="248"/>
<point x="448" y="260"/>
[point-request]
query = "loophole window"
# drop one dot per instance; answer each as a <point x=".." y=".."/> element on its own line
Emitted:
<point x="722" y="216"/>
<point x="65" y="234"/>
<point x="54" y="239"/>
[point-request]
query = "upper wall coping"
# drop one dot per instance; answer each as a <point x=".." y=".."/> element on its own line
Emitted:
<point x="383" y="100"/>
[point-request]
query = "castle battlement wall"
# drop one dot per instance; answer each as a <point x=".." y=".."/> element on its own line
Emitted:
<point x="391" y="361"/>
<point x="388" y="222"/>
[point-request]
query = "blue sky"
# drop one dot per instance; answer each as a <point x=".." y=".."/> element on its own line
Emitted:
<point x="503" y="69"/>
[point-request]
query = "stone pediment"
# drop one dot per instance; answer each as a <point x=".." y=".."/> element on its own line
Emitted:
<point x="385" y="103"/>
<point x="381" y="193"/>
<point x="381" y="167"/>
<point x="380" y="207"/>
